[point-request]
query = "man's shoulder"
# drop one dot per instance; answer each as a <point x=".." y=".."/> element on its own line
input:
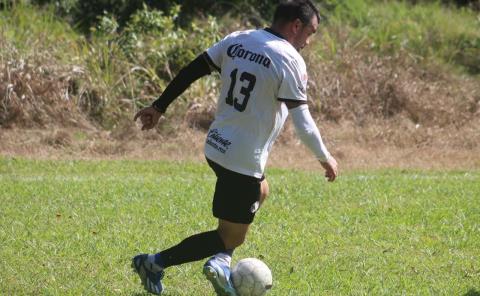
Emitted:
<point x="288" y="55"/>
<point x="240" y="33"/>
<point x="281" y="48"/>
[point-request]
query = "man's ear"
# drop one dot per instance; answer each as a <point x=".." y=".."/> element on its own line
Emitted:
<point x="297" y="25"/>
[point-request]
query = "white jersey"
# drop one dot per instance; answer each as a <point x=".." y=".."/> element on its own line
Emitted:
<point x="258" y="69"/>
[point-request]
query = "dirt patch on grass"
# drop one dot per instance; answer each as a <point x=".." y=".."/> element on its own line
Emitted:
<point x="346" y="142"/>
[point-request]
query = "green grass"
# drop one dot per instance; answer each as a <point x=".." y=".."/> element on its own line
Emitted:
<point x="71" y="227"/>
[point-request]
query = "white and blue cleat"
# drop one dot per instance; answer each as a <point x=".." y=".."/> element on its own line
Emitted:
<point x="218" y="274"/>
<point x="151" y="280"/>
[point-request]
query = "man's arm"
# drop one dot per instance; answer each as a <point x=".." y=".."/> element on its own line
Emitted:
<point x="198" y="68"/>
<point x="310" y="135"/>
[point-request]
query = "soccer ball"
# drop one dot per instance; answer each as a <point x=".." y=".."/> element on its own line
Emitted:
<point x="251" y="277"/>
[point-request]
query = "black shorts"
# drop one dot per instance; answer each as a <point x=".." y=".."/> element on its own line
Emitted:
<point x="237" y="196"/>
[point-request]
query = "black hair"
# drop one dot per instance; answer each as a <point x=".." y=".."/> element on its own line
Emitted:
<point x="290" y="10"/>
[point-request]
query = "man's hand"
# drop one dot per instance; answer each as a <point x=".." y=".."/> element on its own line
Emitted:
<point x="331" y="170"/>
<point x="149" y="117"/>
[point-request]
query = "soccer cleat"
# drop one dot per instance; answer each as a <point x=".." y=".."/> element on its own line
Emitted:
<point x="219" y="275"/>
<point x="151" y="280"/>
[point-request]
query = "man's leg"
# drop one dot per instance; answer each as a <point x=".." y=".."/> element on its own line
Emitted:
<point x="226" y="238"/>
<point x="233" y="234"/>
<point x="199" y="246"/>
<point x="217" y="269"/>
<point x="264" y="191"/>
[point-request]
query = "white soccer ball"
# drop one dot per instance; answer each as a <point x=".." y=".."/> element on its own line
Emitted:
<point x="251" y="277"/>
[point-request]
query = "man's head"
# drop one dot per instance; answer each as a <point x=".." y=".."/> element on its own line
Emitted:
<point x="296" y="20"/>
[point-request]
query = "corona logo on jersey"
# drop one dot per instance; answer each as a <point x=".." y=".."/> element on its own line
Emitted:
<point x="236" y="50"/>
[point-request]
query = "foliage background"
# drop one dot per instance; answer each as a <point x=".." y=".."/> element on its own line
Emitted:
<point x="392" y="84"/>
<point x="397" y="73"/>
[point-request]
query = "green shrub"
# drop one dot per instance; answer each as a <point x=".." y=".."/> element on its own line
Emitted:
<point x="112" y="72"/>
<point x="85" y="14"/>
<point x="148" y="52"/>
<point x="152" y="40"/>
<point x="427" y="30"/>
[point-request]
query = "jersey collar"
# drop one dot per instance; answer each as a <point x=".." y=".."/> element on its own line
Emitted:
<point x="269" y="30"/>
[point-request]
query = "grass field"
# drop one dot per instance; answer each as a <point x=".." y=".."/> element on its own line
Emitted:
<point x="71" y="227"/>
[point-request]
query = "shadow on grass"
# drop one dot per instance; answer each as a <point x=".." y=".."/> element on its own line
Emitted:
<point x="145" y="293"/>
<point x="172" y="294"/>
<point x="472" y="292"/>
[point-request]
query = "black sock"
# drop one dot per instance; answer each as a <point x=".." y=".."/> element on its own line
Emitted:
<point x="193" y="248"/>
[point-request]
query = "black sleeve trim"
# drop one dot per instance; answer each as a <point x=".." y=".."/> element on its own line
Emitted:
<point x="198" y="68"/>
<point x="292" y="101"/>
<point x="210" y="62"/>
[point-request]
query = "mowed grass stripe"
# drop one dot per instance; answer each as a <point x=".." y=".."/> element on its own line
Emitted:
<point x="70" y="228"/>
<point x="404" y="176"/>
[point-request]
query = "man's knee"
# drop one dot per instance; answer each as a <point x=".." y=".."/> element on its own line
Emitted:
<point x="232" y="234"/>
<point x="232" y="242"/>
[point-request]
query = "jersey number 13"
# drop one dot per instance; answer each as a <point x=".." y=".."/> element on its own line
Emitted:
<point x="245" y="90"/>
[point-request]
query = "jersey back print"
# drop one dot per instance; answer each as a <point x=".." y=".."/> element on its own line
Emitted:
<point x="258" y="70"/>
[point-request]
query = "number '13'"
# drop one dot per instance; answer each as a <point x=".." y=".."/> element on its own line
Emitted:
<point x="245" y="91"/>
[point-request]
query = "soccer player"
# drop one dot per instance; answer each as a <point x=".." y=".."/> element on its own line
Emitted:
<point x="264" y="78"/>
